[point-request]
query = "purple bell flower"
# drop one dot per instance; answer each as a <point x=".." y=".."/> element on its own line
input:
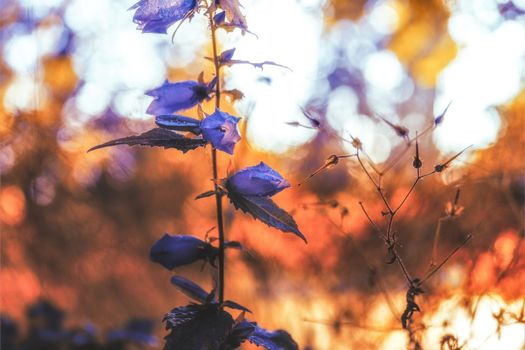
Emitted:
<point x="259" y="180"/>
<point x="155" y="16"/>
<point x="173" y="97"/>
<point x="220" y="129"/>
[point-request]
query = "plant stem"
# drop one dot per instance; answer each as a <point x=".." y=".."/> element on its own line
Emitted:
<point x="218" y="195"/>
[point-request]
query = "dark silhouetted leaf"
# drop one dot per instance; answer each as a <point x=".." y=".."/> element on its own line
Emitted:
<point x="265" y="210"/>
<point x="240" y="332"/>
<point x="197" y="327"/>
<point x="189" y="288"/>
<point x="157" y="137"/>
<point x="172" y="251"/>
<point x="205" y="194"/>
<point x="236" y="306"/>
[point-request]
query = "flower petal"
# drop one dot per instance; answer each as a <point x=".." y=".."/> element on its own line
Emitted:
<point x="173" y="251"/>
<point x="173" y="97"/>
<point x="220" y="129"/>
<point x="259" y="180"/>
<point x="155" y="16"/>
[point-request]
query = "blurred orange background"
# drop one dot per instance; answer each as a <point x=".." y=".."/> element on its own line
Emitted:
<point x="76" y="227"/>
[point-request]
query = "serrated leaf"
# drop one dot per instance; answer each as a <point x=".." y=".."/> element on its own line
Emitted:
<point x="265" y="210"/>
<point x="272" y="340"/>
<point x="254" y="64"/>
<point x="197" y="327"/>
<point x="205" y="194"/>
<point x="189" y="288"/>
<point x="157" y="137"/>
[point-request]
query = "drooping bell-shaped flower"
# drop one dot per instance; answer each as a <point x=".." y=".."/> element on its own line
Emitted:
<point x="155" y="16"/>
<point x="220" y="129"/>
<point x="173" y="97"/>
<point x="258" y="180"/>
<point x="173" y="251"/>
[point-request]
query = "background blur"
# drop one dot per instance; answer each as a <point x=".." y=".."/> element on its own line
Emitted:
<point x="76" y="228"/>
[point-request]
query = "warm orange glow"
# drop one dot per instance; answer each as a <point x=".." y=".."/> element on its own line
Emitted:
<point x="505" y="247"/>
<point x="12" y="205"/>
<point x="484" y="272"/>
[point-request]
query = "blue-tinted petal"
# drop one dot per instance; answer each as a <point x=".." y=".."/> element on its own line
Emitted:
<point x="243" y="329"/>
<point x="173" y="97"/>
<point x="220" y="129"/>
<point x="227" y="55"/>
<point x="219" y="18"/>
<point x="259" y="180"/>
<point x="179" y="123"/>
<point x="155" y="16"/>
<point x="272" y="340"/>
<point x="173" y="251"/>
<point x="212" y="83"/>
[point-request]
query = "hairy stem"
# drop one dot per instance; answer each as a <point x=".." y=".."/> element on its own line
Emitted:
<point x="218" y="195"/>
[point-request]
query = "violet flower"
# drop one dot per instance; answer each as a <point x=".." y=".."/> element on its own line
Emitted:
<point x="220" y="129"/>
<point x="173" y="97"/>
<point x="155" y="16"/>
<point x="259" y="180"/>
